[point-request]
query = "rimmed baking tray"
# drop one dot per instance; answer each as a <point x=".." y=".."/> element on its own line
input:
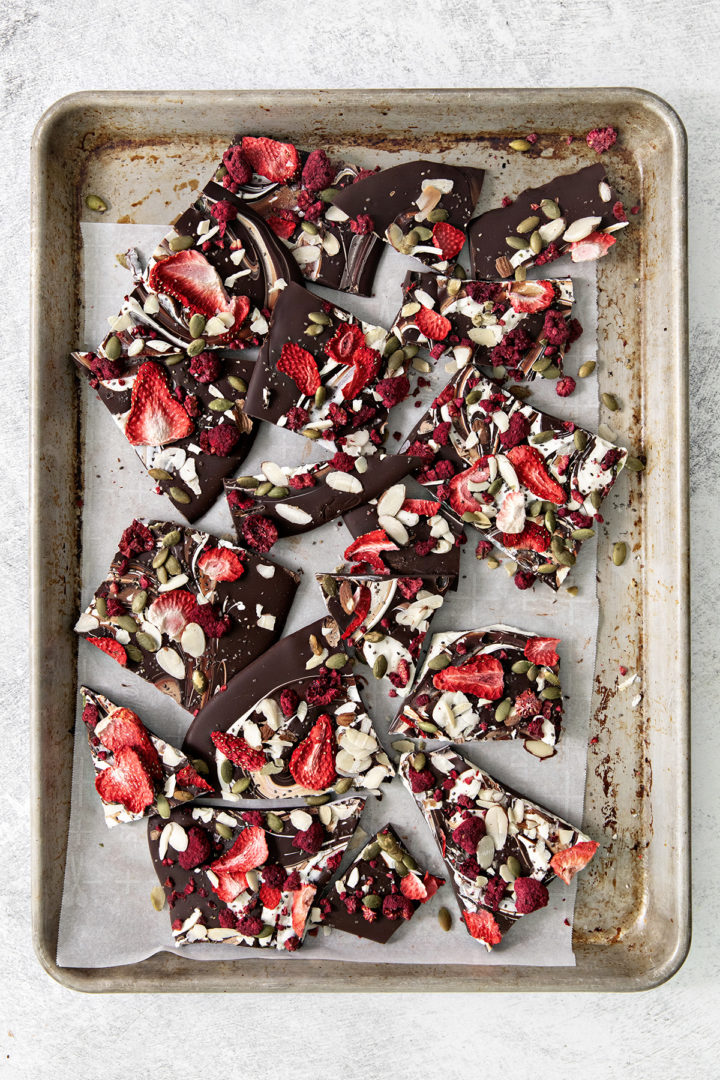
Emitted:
<point x="632" y="917"/>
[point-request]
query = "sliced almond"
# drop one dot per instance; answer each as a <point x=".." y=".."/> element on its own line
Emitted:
<point x="580" y="229"/>
<point x="301" y="820"/>
<point x="390" y="502"/>
<point x="539" y="748"/>
<point x="341" y="481"/>
<point x="274" y="474"/>
<point x="552" y="230"/>
<point x="496" y="826"/>
<point x="171" y="662"/>
<point x="395" y="529"/>
<point x="294" y="514"/>
<point x="485" y="852"/>
<point x="193" y="640"/>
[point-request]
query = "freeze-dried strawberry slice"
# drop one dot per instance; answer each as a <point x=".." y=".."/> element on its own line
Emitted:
<point x="221" y="564"/>
<point x="190" y="777"/>
<point x="533" y="537"/>
<point x="301" y="367"/>
<point x="421" y="507"/>
<point x="449" y="239"/>
<point x="432" y="884"/>
<point x="432" y="324"/>
<point x="345" y="342"/>
<point x="283" y="227"/>
<point x="482" y="676"/>
<point x="111" y="647"/>
<point x="366" y="363"/>
<point x="155" y="418"/>
<point x="276" y="161"/>
<point x="362" y="600"/>
<point x="592" y="247"/>
<point x="367" y="548"/>
<point x="172" y="611"/>
<point x="126" y="782"/>
<point x="541" y="651"/>
<point x="229" y="886"/>
<point x="238" y="751"/>
<point x="567" y="863"/>
<point x="312" y="762"/>
<point x="301" y="904"/>
<point x="187" y="276"/>
<point x="461" y="497"/>
<point x="482" y="926"/>
<point x="249" y="851"/>
<point x="412" y="887"/>
<point x="529" y="464"/>
<point x="527" y="296"/>
<point x="125" y="728"/>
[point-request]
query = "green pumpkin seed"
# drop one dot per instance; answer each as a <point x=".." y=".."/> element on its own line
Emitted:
<point x="536" y="243"/>
<point x="336" y="661"/>
<point x="520" y="392"/>
<point x="547" y="568"/>
<point x="226" y="771"/>
<point x="418" y="761"/>
<point x="372" y="901"/>
<point x="329" y="585"/>
<point x="223" y="830"/>
<point x="542" y="436"/>
<point x="459" y="272"/>
<point x="595" y="498"/>
<point x="396" y="361"/>
<point x="195" y="347"/>
<point x="439" y="662"/>
<point x="180" y="243"/>
<point x="380" y="667"/>
<point x="275" y="823"/>
<point x="634" y="464"/>
<point x="320" y="397"/>
<point x="423" y="233"/>
<point x="572" y="590"/>
<point x="550" y="209"/>
<point x="160" y="558"/>
<point x="249" y="482"/>
<point x="551" y="693"/>
<point x="586" y="369"/>
<point x="520" y="667"/>
<point x="197" y="325"/>
<point x="309" y="228"/>
<point x="162" y="575"/>
<point x="200" y="766"/>
<point x="550" y="521"/>
<point x="162" y="806"/>
<point x="241" y="785"/>
<point x="515" y="242"/>
<point x="172" y="359"/>
<point x="386" y="842"/>
<point x="146" y="642"/>
<point x="262" y="489"/>
<point x="536" y="509"/>
<point x="473" y="397"/>
<point x="582" y="534"/>
<point x="328" y="194"/>
<point x="409" y="862"/>
<point x="541" y="364"/>
<point x="427" y="727"/>
<point x="520" y="273"/>
<point x="179" y="495"/>
<point x="171" y="538"/>
<point x="94" y="202"/>
<point x="412" y="239"/>
<point x="173" y="567"/>
<point x="610" y="402"/>
<point x="199" y="681"/>
<point x="238" y="384"/>
<point x="125" y="622"/>
<point x="157" y="897"/>
<point x="317" y="800"/>
<point x="552" y="372"/>
<point x="220" y="404"/>
<point x="445" y="919"/>
<point x="521" y="145"/>
<point x="503" y="710"/>
<point x="278" y="493"/>
<point x="374" y="636"/>
<point x="371" y="851"/>
<point x="320" y="318"/>
<point x="311" y="433"/>
<point x="101" y="607"/>
<point x="550" y="676"/>
<point x="266" y="932"/>
<point x="527" y="225"/>
<point x="344" y="784"/>
<point x="495" y="486"/>
<point x="580" y="439"/>
<point x="113" y="348"/>
<point x="532" y="672"/>
<point x="160" y="474"/>
<point x="313" y="330"/>
<point x="438" y="214"/>
<point x="410" y="351"/>
<point x="134" y="654"/>
<point x="391" y="345"/>
<point x="619" y="553"/>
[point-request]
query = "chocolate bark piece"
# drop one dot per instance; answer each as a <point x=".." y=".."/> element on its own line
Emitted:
<point x="518" y="328"/>
<point x="384" y="620"/>
<point x="292" y="724"/>
<point x="588" y="207"/>
<point x="185" y="610"/>
<point x="300" y="211"/>
<point x="185" y="416"/>
<point x="331" y="383"/>
<point x="381" y="889"/>
<point x="137" y="772"/>
<point x="527" y="481"/>
<point x="492" y="683"/>
<point x="216" y="276"/>
<point x="502" y="849"/>
<point x="420" y="207"/>
<point x="251" y="877"/>
<point x="399" y="534"/>
<point x="307" y="496"/>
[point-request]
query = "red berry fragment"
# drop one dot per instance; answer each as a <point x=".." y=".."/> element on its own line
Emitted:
<point x="592" y="247"/>
<point x="567" y="863"/>
<point x="312" y="762"/>
<point x="249" y="851"/>
<point x="529" y="895"/>
<point x="301" y="904"/>
<point x="155" y="418"/>
<point x="111" y="647"/>
<point x="318" y="171"/>
<point x="276" y="161"/>
<point x="529" y="296"/>
<point x="188" y="777"/>
<point x="412" y="887"/>
<point x="529" y="464"/>
<point x="198" y="851"/>
<point x="126" y="782"/>
<point x="601" y="139"/>
<point x="533" y="538"/>
<point x="565" y="387"/>
<point x="449" y="239"/>
<point x="172" y="611"/>
<point x="238" y="751"/>
<point x="237" y="165"/>
<point x="481" y="676"/>
<point x="483" y="926"/>
<point x="368" y="547"/>
<point x="125" y="728"/>
<point x="301" y="367"/>
<point x="221" y="564"/>
<point x="432" y="324"/>
<point x="259" y="532"/>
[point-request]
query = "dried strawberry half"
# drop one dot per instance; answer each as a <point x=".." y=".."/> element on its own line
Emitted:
<point x="276" y="161"/>
<point x="567" y="863"/>
<point x="449" y="239"/>
<point x="125" y="728"/>
<point x="592" y="247"/>
<point x="238" y="751"/>
<point x="155" y="418"/>
<point x="541" y="651"/>
<point x="481" y="676"/>
<point x="345" y="342"/>
<point x="301" y="367"/>
<point x="366" y="364"/>
<point x="229" y="886"/>
<point x="528" y="296"/>
<point x="482" y="925"/>
<point x="312" y="762"/>
<point x="172" y="611"/>
<point x="301" y="904"/>
<point x="221" y="564"/>
<point x="190" y="777"/>
<point x="529" y="464"/>
<point x="412" y="887"/>
<point x="126" y="782"/>
<point x="367" y="548"/>
<point x="533" y="538"/>
<point x="432" y="324"/>
<point x="362" y="600"/>
<point x="249" y="851"/>
<point x="111" y="647"/>
<point x="421" y="507"/>
<point x="461" y="497"/>
<point x="187" y="276"/>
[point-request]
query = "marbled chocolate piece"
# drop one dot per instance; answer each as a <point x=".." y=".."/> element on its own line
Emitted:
<point x="186" y="611"/>
<point x="501" y="849"/>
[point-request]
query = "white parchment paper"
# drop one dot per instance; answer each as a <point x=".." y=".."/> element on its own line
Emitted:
<point x="107" y="918"/>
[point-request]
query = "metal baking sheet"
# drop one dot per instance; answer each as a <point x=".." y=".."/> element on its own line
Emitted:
<point x="632" y="919"/>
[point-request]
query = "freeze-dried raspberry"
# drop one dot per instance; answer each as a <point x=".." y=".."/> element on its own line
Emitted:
<point x="393" y="390"/>
<point x="249" y="925"/>
<point x="511" y="350"/>
<point x="441" y="434"/>
<point x="506" y="201"/>
<point x="362" y="224"/>
<point x="274" y="876"/>
<point x="483" y="549"/>
<point x="535" y="728"/>
<point x="292" y="944"/>
<point x="90" y="715"/>
<point x="107" y="369"/>
<point x="529" y="895"/>
<point x="198" y="851"/>
<point x="226" y="919"/>
<point x="517" y="431"/>
<point x="526" y="704"/>
<point x="310" y="840"/>
<point x="437" y="351"/>
<point x="482" y="291"/>
<point x="211" y="624"/>
<point x="565" y="387"/>
<point x="611" y="459"/>
<point x="619" y="211"/>
<point x="300" y="481"/>
<point x="550" y="254"/>
<point x="259" y="532"/>
<point x="136" y="539"/>
<point x="523" y="579"/>
<point x="297" y="418"/>
<point x="445" y="470"/>
<point x="420" y="780"/>
<point x="205" y="367"/>
<point x="223" y="212"/>
<point x="237" y="165"/>
<point x="324" y="689"/>
<point x="397" y="906"/>
<point x="238" y="501"/>
<point x="191" y="405"/>
<point x="470" y="867"/>
<point x="580" y="521"/>
<point x="401" y="677"/>
<point x="601" y="139"/>
<point x="424" y="547"/>
<point x="555" y="327"/>
<point x="221" y="440"/>
<point x="351" y="902"/>
<point x="289" y="701"/>
<point x="314" y="211"/>
<point x="342" y="462"/>
<point x="574" y="331"/>
<point x="318" y="171"/>
<point x="409" y="586"/>
<point x="114" y="606"/>
<point x="531" y="138"/>
<point x="494" y="891"/>
<point x="468" y="834"/>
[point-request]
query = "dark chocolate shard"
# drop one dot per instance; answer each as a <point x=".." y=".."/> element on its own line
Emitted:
<point x="249" y="878"/>
<point x="202" y="609"/>
<point x="380" y="890"/>
<point x="292" y="724"/>
<point x="574" y="213"/>
<point x="492" y="683"/>
<point x="501" y="849"/>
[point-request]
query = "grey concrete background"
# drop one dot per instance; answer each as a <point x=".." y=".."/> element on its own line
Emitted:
<point x="51" y="49"/>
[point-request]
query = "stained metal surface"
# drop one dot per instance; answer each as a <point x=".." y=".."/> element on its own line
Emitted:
<point x="632" y="917"/>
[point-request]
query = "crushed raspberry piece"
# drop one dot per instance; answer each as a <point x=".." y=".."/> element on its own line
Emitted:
<point x="483" y="549"/>
<point x="483" y="291"/>
<point x="324" y="689"/>
<point x="342" y="462"/>
<point x="535" y="728"/>
<point x="205" y="367"/>
<point x="601" y="139"/>
<point x="470" y="868"/>
<point x="531" y="138"/>
<point x="237" y="501"/>
<point x="189" y="777"/>
<point x="469" y="833"/>
<point x="611" y="459"/>
<point x="301" y="481"/>
<point x="237" y="165"/>
<point x="523" y="579"/>
<point x="249" y="925"/>
<point x="107" y="369"/>
<point x="506" y="201"/>
<point x="517" y="431"/>
<point x="111" y="647"/>
<point x="409" y="586"/>
<point x="292" y="944"/>
<point x="213" y="625"/>
<point x="314" y="211"/>
<point x="555" y="327"/>
<point x="494" y="891"/>
<point x="289" y="701"/>
<point x="259" y="532"/>
<point x="220" y="441"/>
<point x="300" y="366"/>
<point x="448" y="239"/>
<point x="274" y="876"/>
<point x="529" y="895"/>
<point x="393" y="390"/>
<point x="400" y="677"/>
<point x="90" y="715"/>
<point x="226" y="919"/>
<point x="565" y="387"/>
<point x="619" y="211"/>
<point x="253" y="817"/>
<point x="634" y="209"/>
<point x="198" y="851"/>
<point x="550" y="254"/>
<point x="309" y="840"/>
<point x="509" y="352"/>
<point x="441" y="434"/>
<point x="223" y="212"/>
<point x="293" y="882"/>
<point x="283" y="223"/>
<point x="114" y="606"/>
<point x="526" y="704"/>
<point x="318" y="171"/>
<point x="136" y="539"/>
<point x="422" y="780"/>
<point x="397" y="906"/>
<point x="362" y="225"/>
<point x="297" y="418"/>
